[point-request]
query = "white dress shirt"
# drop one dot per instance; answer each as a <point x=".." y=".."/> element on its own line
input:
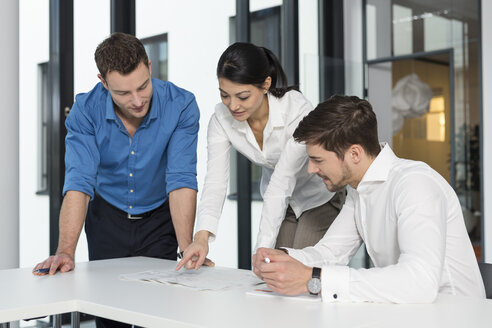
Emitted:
<point x="411" y="222"/>
<point x="301" y="190"/>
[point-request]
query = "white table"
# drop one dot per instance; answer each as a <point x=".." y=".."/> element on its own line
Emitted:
<point x="95" y="288"/>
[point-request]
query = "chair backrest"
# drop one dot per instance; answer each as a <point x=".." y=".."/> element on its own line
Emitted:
<point x="486" y="271"/>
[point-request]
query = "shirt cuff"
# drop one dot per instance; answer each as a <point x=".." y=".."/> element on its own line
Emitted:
<point x="335" y="281"/>
<point x="297" y="254"/>
<point x="83" y="189"/>
<point x="265" y="243"/>
<point x="178" y="181"/>
<point x="209" y="224"/>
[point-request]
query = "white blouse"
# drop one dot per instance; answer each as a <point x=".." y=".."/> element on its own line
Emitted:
<point x="301" y="190"/>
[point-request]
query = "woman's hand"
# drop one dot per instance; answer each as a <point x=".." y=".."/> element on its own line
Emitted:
<point x="194" y="256"/>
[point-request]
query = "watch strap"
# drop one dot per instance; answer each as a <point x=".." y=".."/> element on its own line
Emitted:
<point x="316" y="273"/>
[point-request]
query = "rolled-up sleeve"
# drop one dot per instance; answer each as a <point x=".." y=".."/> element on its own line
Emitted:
<point x="181" y="151"/>
<point x="81" y="153"/>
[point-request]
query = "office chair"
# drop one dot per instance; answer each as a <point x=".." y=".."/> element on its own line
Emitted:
<point x="486" y="271"/>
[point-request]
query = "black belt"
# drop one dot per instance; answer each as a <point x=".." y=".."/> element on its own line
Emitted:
<point x="139" y="216"/>
<point x="128" y="215"/>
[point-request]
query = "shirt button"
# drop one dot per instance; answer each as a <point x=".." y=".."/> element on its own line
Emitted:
<point x="335" y="296"/>
<point x="131" y="190"/>
<point x="131" y="174"/>
<point x="130" y="206"/>
<point x="133" y="153"/>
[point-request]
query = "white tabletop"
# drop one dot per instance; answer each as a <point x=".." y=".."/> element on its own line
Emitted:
<point x="95" y="288"/>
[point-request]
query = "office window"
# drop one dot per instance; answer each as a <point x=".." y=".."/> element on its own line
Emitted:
<point x="265" y="29"/>
<point x="265" y="32"/>
<point x="402" y="30"/>
<point x="156" y="48"/>
<point x="42" y="129"/>
<point x="438" y="41"/>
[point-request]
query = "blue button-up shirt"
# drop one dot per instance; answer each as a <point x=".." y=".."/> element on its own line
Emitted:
<point x="134" y="174"/>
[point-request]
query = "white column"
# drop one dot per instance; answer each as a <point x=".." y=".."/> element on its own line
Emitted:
<point x="487" y="131"/>
<point x="308" y="50"/>
<point x="9" y="134"/>
<point x="380" y="86"/>
<point x="378" y="29"/>
<point x="352" y="42"/>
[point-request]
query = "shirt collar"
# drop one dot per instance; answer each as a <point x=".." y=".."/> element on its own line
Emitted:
<point x="274" y="112"/>
<point x="155" y="99"/>
<point x="381" y="166"/>
<point x="274" y="116"/>
<point x="110" y="114"/>
<point x="152" y="114"/>
<point x="240" y="126"/>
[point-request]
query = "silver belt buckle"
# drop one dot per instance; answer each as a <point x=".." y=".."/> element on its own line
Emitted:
<point x="131" y="217"/>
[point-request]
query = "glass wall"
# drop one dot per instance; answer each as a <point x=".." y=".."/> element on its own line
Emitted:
<point x="423" y="78"/>
<point x="265" y="32"/>
<point x="156" y="48"/>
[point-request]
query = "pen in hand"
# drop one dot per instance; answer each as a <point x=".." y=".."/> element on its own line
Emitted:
<point x="44" y="270"/>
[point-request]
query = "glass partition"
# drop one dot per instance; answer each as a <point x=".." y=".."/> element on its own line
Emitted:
<point x="409" y="38"/>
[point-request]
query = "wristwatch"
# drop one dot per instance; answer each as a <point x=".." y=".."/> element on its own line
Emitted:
<point x="314" y="284"/>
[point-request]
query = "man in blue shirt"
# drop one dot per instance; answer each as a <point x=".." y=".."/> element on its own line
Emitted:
<point x="130" y="162"/>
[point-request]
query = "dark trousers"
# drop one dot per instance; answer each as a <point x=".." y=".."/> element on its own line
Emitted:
<point x="111" y="234"/>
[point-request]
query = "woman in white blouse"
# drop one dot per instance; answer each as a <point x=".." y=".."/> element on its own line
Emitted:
<point x="257" y="116"/>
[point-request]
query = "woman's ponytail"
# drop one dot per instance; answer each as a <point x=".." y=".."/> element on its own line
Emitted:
<point x="279" y="80"/>
<point x="246" y="63"/>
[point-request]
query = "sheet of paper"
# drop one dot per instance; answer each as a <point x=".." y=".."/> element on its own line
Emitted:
<point x="263" y="291"/>
<point x="206" y="278"/>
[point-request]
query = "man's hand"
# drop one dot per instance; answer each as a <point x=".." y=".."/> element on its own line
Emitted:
<point x="194" y="256"/>
<point x="62" y="262"/>
<point x="72" y="217"/>
<point x="259" y="258"/>
<point x="284" y="274"/>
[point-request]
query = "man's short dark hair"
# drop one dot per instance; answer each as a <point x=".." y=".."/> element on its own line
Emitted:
<point x="338" y="123"/>
<point x="120" y="52"/>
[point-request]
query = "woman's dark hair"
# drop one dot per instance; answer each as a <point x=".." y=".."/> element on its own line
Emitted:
<point x="246" y="63"/>
<point x="338" y="123"/>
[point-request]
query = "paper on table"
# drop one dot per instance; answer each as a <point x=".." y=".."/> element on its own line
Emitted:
<point x="265" y="291"/>
<point x="206" y="278"/>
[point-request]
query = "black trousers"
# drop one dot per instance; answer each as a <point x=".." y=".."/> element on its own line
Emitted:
<point x="111" y="234"/>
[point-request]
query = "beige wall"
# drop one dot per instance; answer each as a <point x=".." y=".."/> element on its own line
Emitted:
<point x="408" y="143"/>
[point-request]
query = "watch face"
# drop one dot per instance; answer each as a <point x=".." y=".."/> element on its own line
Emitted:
<point x="314" y="285"/>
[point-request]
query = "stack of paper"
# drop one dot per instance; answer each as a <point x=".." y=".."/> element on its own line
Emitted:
<point x="206" y="278"/>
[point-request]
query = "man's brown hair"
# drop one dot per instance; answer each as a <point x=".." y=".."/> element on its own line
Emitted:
<point x="338" y="123"/>
<point x="120" y="52"/>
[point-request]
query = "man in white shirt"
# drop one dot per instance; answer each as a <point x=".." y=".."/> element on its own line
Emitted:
<point x="407" y="215"/>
